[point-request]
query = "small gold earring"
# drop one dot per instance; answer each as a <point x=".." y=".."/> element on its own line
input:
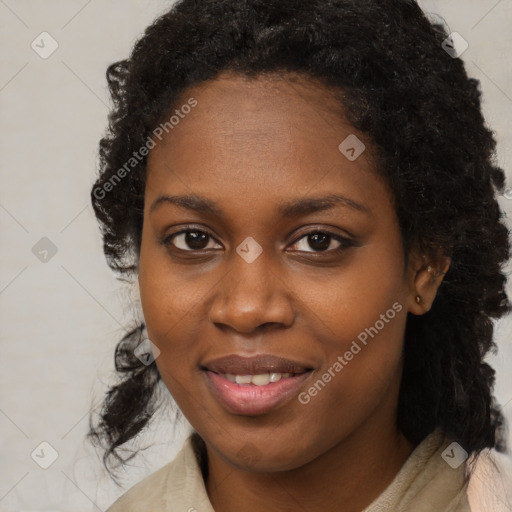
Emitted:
<point x="418" y="299"/>
<point x="430" y="269"/>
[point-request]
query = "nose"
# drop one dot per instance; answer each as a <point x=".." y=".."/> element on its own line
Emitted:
<point x="251" y="296"/>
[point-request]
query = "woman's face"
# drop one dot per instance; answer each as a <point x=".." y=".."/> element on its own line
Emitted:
<point x="234" y="268"/>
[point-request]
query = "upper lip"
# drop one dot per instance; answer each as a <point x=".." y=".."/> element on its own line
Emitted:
<point x="254" y="365"/>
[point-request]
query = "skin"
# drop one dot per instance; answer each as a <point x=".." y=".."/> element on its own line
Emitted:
<point x="251" y="145"/>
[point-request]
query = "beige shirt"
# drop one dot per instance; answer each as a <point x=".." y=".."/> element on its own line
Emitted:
<point x="425" y="483"/>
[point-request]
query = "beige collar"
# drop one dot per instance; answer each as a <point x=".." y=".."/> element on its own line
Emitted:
<point x="425" y="483"/>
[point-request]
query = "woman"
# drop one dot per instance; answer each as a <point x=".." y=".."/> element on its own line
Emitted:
<point x="306" y="194"/>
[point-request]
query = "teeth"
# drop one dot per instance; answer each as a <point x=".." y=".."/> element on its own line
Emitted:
<point x="259" y="380"/>
<point x="274" y="377"/>
<point x="243" y="379"/>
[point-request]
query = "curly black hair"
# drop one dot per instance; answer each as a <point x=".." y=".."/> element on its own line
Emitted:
<point x="423" y="114"/>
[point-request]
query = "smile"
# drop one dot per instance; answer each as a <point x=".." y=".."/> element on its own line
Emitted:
<point x="262" y="379"/>
<point x="253" y="395"/>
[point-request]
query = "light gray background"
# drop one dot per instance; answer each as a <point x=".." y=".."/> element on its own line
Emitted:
<point x="60" y="320"/>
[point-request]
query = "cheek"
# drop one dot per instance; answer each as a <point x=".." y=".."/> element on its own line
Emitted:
<point x="169" y="309"/>
<point x="167" y="298"/>
<point x="168" y="306"/>
<point x="360" y="374"/>
<point x="368" y="296"/>
<point x="363" y="317"/>
<point x="362" y="351"/>
<point x="165" y="301"/>
<point x="174" y="306"/>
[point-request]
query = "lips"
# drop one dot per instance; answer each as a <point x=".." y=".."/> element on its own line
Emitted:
<point x="255" y="365"/>
<point x="254" y="385"/>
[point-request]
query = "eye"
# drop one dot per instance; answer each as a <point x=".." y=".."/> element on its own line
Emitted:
<point x="321" y="241"/>
<point x="190" y="240"/>
<point x="318" y="241"/>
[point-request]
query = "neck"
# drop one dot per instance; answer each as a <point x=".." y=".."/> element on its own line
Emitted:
<point x="354" y="473"/>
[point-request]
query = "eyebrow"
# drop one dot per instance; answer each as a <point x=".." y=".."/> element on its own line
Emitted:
<point x="293" y="208"/>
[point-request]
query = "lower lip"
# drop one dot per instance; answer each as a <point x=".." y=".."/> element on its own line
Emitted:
<point x="251" y="400"/>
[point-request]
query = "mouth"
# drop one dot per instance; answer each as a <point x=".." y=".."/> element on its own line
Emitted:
<point x="254" y="385"/>
<point x="261" y="379"/>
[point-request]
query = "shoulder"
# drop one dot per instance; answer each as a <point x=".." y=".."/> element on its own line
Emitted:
<point x="146" y="493"/>
<point x="168" y="488"/>
<point x="490" y="485"/>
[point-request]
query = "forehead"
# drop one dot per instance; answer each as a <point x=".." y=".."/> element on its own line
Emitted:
<point x="232" y="91"/>
<point x="260" y="138"/>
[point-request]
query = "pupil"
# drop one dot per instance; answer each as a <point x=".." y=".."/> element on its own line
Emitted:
<point x="195" y="239"/>
<point x="320" y="239"/>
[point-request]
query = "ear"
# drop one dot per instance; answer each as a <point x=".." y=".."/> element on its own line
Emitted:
<point x="424" y="281"/>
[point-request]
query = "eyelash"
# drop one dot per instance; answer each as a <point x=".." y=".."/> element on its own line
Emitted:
<point x="345" y="243"/>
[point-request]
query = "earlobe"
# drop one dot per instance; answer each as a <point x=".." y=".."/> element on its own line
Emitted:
<point x="426" y="283"/>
